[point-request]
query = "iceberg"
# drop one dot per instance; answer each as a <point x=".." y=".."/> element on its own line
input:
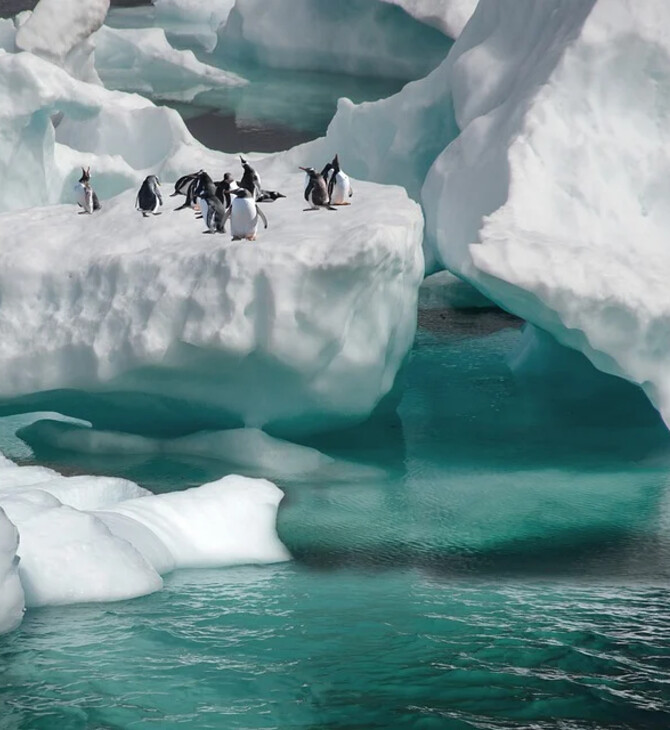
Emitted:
<point x="143" y="61"/>
<point x="355" y="37"/>
<point x="157" y="329"/>
<point x="193" y="21"/>
<point x="90" y="539"/>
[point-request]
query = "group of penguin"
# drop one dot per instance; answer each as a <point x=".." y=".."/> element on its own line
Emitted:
<point x="228" y="199"/>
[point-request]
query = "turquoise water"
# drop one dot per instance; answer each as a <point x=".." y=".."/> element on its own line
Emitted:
<point x="499" y="560"/>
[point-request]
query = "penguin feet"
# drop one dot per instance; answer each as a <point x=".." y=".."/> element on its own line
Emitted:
<point x="208" y="231"/>
<point x="145" y="215"/>
<point x="251" y="238"/>
<point x="341" y="203"/>
<point x="237" y="238"/>
<point x="158" y="212"/>
<point x="330" y="207"/>
<point x="307" y="210"/>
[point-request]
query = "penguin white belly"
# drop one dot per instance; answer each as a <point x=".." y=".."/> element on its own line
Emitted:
<point x="84" y="196"/>
<point x="156" y="204"/>
<point x="243" y="217"/>
<point x="203" y="208"/>
<point x="341" y="189"/>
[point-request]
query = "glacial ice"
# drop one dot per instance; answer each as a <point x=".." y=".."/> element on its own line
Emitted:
<point x="86" y="539"/>
<point x="449" y="16"/>
<point x="314" y="318"/>
<point x="59" y="31"/>
<point x="12" y="600"/>
<point x="356" y="37"/>
<point x="142" y="61"/>
<point x="193" y="20"/>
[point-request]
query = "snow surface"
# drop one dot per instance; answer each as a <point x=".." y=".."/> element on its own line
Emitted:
<point x="449" y="16"/>
<point x="356" y="37"/>
<point x="12" y="600"/>
<point x="143" y="61"/>
<point x="86" y="539"/>
<point x="303" y="329"/>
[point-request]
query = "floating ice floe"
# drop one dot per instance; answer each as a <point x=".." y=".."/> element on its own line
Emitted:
<point x="356" y="37"/>
<point x="12" y="601"/>
<point x="301" y="330"/>
<point x="86" y="539"/>
<point x="142" y="61"/>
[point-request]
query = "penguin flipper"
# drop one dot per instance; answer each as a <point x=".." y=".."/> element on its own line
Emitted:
<point x="263" y="218"/>
<point x="308" y="190"/>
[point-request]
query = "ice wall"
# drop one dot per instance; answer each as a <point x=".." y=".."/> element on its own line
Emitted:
<point x="350" y="37"/>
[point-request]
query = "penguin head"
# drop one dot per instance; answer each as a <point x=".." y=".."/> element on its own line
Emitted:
<point x="309" y="170"/>
<point x="245" y="164"/>
<point x="335" y="164"/>
<point x="227" y="177"/>
<point x="85" y="175"/>
<point x="152" y="179"/>
<point x="241" y="193"/>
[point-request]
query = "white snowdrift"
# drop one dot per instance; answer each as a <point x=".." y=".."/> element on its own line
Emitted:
<point x="85" y="539"/>
<point x="12" y="600"/>
<point x="303" y="329"/>
<point x="449" y="16"/>
<point x="142" y="61"/>
<point x="356" y="37"/>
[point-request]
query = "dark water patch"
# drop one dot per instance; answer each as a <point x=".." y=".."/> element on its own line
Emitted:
<point x="476" y="322"/>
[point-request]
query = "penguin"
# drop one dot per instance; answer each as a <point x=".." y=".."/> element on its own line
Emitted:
<point x="269" y="196"/>
<point x="316" y="192"/>
<point x="213" y="210"/>
<point x="86" y="197"/>
<point x="223" y="189"/>
<point x="186" y="186"/>
<point x="244" y="214"/>
<point x="251" y="180"/>
<point x="149" y="197"/>
<point x="339" y="185"/>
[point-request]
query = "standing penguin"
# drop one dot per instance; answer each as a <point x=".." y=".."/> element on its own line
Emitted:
<point x="316" y="192"/>
<point x="339" y="185"/>
<point x="251" y="180"/>
<point x="244" y="214"/>
<point x="213" y="210"/>
<point x="149" y="197"/>
<point x="86" y="197"/>
<point x="223" y="189"/>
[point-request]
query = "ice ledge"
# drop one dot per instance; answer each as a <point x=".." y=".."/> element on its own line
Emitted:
<point x="303" y="329"/>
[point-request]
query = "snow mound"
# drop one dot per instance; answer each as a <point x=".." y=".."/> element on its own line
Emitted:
<point x="303" y="329"/>
<point x="142" y="61"/>
<point x="449" y="16"/>
<point x="12" y="600"/>
<point x="85" y="539"/>
<point x="356" y="37"/>
<point x="58" y="30"/>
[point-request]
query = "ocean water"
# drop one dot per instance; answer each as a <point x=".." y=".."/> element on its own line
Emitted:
<point x="494" y="554"/>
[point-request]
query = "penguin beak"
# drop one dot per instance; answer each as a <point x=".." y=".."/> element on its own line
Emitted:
<point x="303" y="168"/>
